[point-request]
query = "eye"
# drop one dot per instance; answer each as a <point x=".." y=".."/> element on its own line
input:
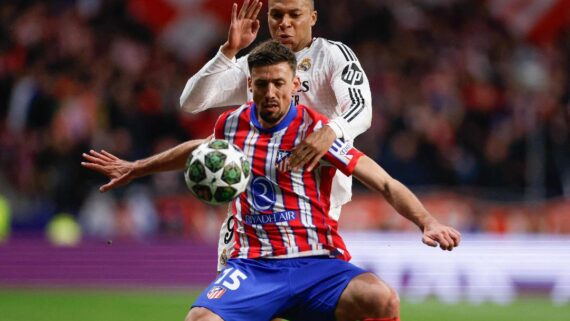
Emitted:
<point x="276" y="15"/>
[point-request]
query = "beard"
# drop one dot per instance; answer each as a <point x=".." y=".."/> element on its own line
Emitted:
<point x="271" y="117"/>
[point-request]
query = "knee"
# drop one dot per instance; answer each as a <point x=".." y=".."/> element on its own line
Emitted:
<point x="382" y="300"/>
<point x="201" y="314"/>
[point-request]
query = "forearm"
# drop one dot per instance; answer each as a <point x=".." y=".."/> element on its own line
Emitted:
<point x="398" y="195"/>
<point x="219" y="83"/>
<point x="171" y="159"/>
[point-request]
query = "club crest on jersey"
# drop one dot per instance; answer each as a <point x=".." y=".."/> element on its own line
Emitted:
<point x="216" y="292"/>
<point x="282" y="163"/>
<point x="305" y="64"/>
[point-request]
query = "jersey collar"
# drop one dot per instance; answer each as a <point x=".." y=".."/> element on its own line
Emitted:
<point x="285" y="122"/>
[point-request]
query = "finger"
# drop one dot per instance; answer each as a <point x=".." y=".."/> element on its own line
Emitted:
<point x="115" y="182"/>
<point x="111" y="156"/>
<point x="234" y="13"/>
<point x="243" y="9"/>
<point x="455" y="237"/>
<point x="94" y="167"/>
<point x="315" y="161"/>
<point x="255" y="26"/>
<point x="251" y="9"/>
<point x="99" y="155"/>
<point x="93" y="159"/>
<point x="428" y="241"/>
<point x="257" y="10"/>
<point x="443" y="243"/>
<point x="296" y="155"/>
<point x="304" y="159"/>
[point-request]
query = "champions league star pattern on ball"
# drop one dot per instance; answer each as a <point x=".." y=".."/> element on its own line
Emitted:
<point x="284" y="213"/>
<point x="217" y="172"/>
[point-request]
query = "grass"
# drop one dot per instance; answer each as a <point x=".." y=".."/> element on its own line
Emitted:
<point x="163" y="305"/>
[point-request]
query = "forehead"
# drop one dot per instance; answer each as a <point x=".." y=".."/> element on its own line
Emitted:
<point x="276" y="71"/>
<point x="289" y="4"/>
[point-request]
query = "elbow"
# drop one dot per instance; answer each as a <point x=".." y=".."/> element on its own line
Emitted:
<point x="191" y="105"/>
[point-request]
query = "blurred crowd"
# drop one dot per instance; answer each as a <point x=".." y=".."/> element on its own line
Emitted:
<point x="458" y="103"/>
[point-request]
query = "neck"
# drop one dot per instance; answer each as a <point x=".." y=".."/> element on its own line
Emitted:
<point x="304" y="45"/>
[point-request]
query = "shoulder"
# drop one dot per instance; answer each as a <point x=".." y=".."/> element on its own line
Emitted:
<point x="312" y="115"/>
<point x="335" y="50"/>
<point x="235" y="112"/>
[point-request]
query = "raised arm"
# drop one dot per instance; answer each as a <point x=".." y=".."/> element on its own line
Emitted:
<point x="406" y="203"/>
<point x="121" y="172"/>
<point x="223" y="80"/>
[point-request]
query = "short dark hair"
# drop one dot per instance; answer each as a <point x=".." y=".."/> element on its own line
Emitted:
<point x="269" y="53"/>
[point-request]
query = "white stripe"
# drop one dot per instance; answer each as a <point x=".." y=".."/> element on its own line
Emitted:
<point x="231" y="125"/>
<point x="249" y="149"/>
<point x="299" y="189"/>
<point x="240" y="229"/>
<point x="271" y="170"/>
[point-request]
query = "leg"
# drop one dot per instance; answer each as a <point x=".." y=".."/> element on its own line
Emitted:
<point x="202" y="314"/>
<point x="365" y="297"/>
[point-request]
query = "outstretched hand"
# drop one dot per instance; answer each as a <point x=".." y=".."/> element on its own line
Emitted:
<point x="312" y="149"/>
<point x="243" y="27"/>
<point x="120" y="172"/>
<point x="447" y="237"/>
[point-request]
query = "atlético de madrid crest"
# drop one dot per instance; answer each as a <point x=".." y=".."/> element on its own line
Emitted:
<point x="282" y="163"/>
<point x="216" y="292"/>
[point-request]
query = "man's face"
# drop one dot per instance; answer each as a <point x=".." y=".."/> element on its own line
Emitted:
<point x="291" y="22"/>
<point x="272" y="87"/>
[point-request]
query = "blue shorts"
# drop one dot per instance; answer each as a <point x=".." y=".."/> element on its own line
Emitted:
<point x="295" y="289"/>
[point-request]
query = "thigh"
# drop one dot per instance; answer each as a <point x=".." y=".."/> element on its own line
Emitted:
<point x="318" y="287"/>
<point x="246" y="290"/>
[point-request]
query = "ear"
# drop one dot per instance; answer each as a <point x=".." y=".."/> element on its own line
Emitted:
<point x="314" y="15"/>
<point x="296" y="85"/>
<point x="249" y="84"/>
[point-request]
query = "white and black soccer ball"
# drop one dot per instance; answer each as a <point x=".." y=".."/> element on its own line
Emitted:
<point x="217" y="172"/>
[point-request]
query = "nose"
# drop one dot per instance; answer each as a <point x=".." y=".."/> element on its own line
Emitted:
<point x="285" y="22"/>
<point x="271" y="91"/>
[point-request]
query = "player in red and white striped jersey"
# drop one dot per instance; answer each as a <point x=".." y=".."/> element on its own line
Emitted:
<point x="284" y="213"/>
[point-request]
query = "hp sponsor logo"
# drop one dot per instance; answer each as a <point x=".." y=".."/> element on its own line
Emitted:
<point x="352" y="74"/>
<point x="263" y="193"/>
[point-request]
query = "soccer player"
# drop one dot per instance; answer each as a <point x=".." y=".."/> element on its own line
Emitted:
<point x="289" y="260"/>
<point x="296" y="236"/>
<point x="332" y="82"/>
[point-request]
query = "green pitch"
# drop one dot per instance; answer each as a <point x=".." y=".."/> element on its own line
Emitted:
<point x="163" y="305"/>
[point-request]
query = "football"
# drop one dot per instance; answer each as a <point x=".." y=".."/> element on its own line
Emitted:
<point x="217" y="172"/>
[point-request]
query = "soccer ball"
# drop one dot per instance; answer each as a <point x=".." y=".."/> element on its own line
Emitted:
<point x="217" y="172"/>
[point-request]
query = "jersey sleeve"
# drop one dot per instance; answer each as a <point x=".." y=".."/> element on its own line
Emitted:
<point x="221" y="82"/>
<point x="352" y="90"/>
<point x="343" y="156"/>
<point x="219" y="132"/>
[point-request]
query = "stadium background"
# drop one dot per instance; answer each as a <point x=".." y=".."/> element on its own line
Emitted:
<point x="471" y="104"/>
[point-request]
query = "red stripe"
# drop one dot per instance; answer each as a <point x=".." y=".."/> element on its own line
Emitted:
<point x="220" y="124"/>
<point x="242" y="130"/>
<point x="547" y="27"/>
<point x="290" y="200"/>
<point x="258" y="169"/>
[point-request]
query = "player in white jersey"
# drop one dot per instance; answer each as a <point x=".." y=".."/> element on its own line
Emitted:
<point x="332" y="82"/>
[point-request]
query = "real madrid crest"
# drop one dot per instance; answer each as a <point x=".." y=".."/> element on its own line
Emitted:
<point x="305" y="64"/>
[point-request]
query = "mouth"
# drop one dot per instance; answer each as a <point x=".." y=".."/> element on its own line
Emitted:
<point x="271" y="107"/>
<point x="285" y="39"/>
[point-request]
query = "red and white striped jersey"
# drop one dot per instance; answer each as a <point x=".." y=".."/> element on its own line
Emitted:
<point x="284" y="213"/>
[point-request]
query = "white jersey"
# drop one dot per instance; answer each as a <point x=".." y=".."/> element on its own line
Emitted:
<point x="332" y="82"/>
